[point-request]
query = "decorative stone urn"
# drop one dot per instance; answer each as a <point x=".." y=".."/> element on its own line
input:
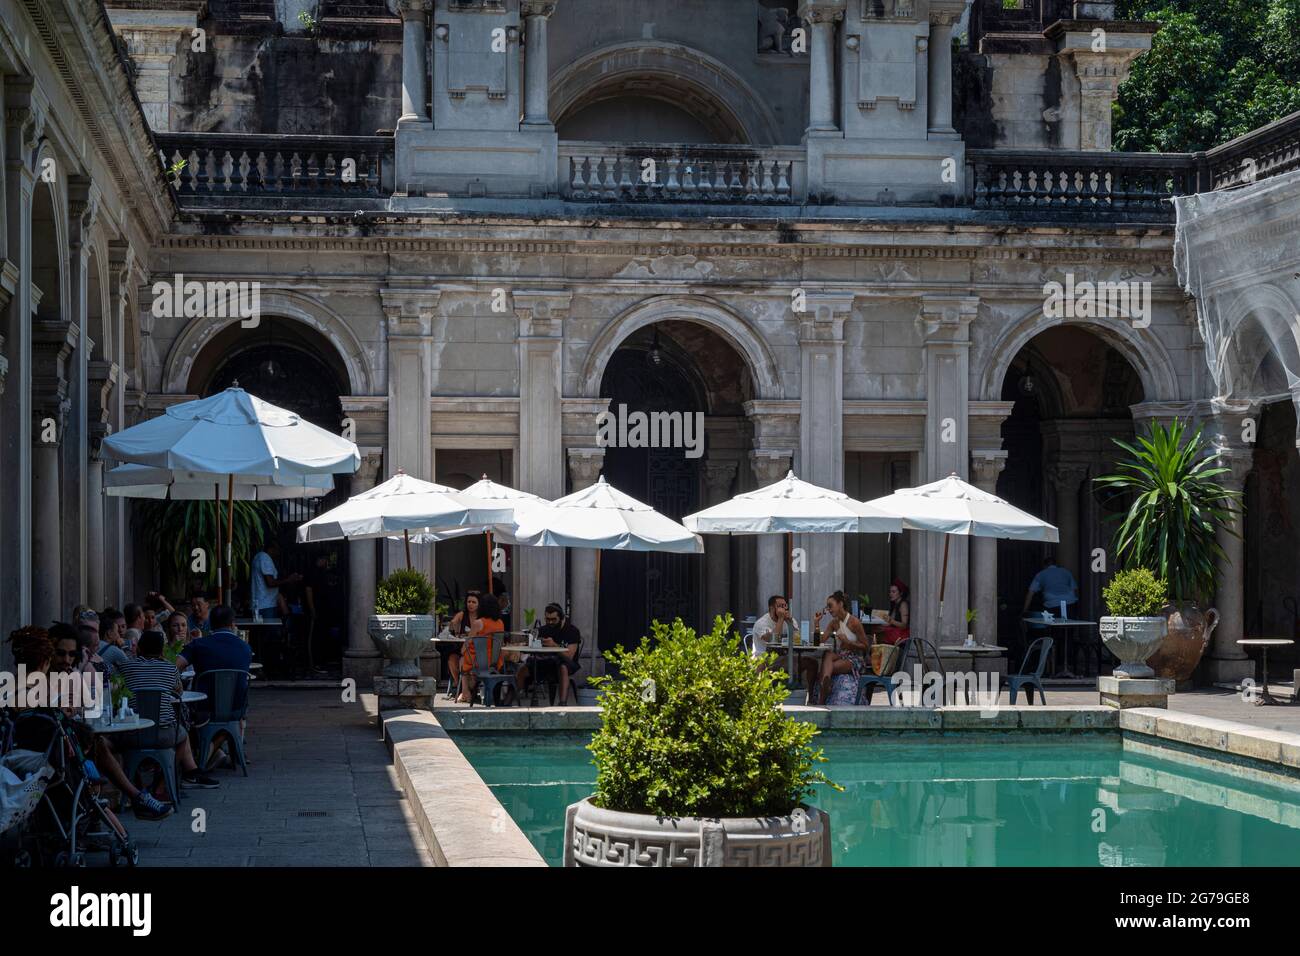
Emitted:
<point x="400" y="638"/>
<point x="1188" y="636"/>
<point x="596" y="837"/>
<point x="1132" y="640"/>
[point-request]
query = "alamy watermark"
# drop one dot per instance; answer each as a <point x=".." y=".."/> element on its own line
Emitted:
<point x="1088" y="300"/>
<point x="624" y="429"/>
<point x="81" y="690"/>
<point x="179" y="299"/>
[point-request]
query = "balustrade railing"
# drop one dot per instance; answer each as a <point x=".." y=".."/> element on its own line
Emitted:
<point x="219" y="166"/>
<point x="1268" y="151"/>
<point x="605" y="172"/>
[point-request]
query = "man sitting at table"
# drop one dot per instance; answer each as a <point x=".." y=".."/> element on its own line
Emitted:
<point x="552" y="668"/>
<point x="223" y="649"/>
<point x="777" y="627"/>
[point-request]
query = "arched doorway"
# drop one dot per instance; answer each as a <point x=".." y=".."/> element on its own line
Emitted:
<point x="293" y="366"/>
<point x="679" y="367"/>
<point x="1073" y="393"/>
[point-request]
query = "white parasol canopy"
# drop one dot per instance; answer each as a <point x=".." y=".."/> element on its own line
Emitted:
<point x="795" y="507"/>
<point x="145" y="481"/>
<point x="952" y="506"/>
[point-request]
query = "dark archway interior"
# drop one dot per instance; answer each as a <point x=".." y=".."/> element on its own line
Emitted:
<point x="698" y="372"/>
<point x="1072" y="393"/>
<point x="1272" y="515"/>
<point x="650" y="107"/>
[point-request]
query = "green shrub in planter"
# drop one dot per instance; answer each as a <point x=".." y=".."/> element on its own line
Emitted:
<point x="405" y="591"/>
<point x="1135" y="592"/>
<point x="693" y="727"/>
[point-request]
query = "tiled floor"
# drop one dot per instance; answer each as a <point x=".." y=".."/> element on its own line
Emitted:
<point x="320" y="792"/>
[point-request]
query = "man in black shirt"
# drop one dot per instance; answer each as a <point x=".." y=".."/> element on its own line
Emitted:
<point x="553" y="668"/>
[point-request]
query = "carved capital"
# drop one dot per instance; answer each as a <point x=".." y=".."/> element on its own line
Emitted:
<point x="719" y="475"/>
<point x="536" y="8"/>
<point x="24" y="119"/>
<point x="985" y="466"/>
<point x="1067" y="476"/>
<point x="372" y="464"/>
<point x="770" y="466"/>
<point x="83" y="206"/>
<point x="1239" y="462"/>
<point x="103" y="377"/>
<point x="409" y="312"/>
<point x="824" y="319"/>
<point x="822" y="11"/>
<point x="541" y="313"/>
<point x="947" y="318"/>
<point x="413" y="9"/>
<point x="584" y="466"/>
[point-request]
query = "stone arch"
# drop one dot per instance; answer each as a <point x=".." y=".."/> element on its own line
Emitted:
<point x="1259" y="328"/>
<point x="683" y="308"/>
<point x="53" y="200"/>
<point x="1140" y="348"/>
<point x="680" y="75"/>
<point x="282" y="304"/>
<point x="98" y="289"/>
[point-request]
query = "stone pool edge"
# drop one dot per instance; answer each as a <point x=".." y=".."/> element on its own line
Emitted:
<point x="461" y="820"/>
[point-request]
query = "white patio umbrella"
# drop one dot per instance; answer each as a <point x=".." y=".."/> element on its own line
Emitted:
<point x="792" y="506"/>
<point x="235" y="434"/>
<point x="145" y="481"/>
<point x="605" y="519"/>
<point x="951" y="506"/>
<point x="403" y="504"/>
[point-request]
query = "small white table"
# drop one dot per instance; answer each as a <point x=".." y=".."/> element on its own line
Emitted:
<point x="1264" y="643"/>
<point x="974" y="650"/>
<point x="192" y="696"/>
<point x="122" y="726"/>
<point x="1065" y="622"/>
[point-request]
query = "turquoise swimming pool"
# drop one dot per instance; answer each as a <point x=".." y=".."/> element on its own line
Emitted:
<point x="1067" y="801"/>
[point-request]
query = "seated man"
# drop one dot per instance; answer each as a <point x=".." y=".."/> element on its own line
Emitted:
<point x="223" y="649"/>
<point x="149" y="670"/>
<point x="777" y="627"/>
<point x="557" y="668"/>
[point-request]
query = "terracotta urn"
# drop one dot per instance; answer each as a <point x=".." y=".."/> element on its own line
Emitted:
<point x="1185" y="641"/>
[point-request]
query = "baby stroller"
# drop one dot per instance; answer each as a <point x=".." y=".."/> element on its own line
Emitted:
<point x="54" y="817"/>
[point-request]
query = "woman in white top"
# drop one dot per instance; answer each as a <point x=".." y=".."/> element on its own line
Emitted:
<point x="852" y="653"/>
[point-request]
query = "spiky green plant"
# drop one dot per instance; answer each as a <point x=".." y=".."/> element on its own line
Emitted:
<point x="173" y="529"/>
<point x="1177" y="508"/>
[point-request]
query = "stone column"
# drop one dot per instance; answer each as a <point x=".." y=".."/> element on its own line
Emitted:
<point x="22" y="130"/>
<point x="771" y="466"/>
<point x="1097" y="77"/>
<point x="940" y="73"/>
<point x="83" y="204"/>
<point x="53" y="345"/>
<point x="986" y="465"/>
<point x="539" y="572"/>
<point x="584" y="469"/>
<point x="153" y="38"/>
<point x="821" y="433"/>
<point x="1065" y="479"/>
<point x="410" y="313"/>
<point x="360" y="659"/>
<point x="820" y="17"/>
<point x="718" y="479"/>
<point x="537" y="111"/>
<point x="103" y="382"/>
<point x="124" y="273"/>
<point x="1228" y="662"/>
<point x="415" y="61"/>
<point x="944" y="323"/>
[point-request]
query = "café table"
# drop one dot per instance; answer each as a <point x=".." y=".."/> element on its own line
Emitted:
<point x="1264" y="643"/>
<point x="974" y="650"/>
<point x="541" y="650"/>
<point x="121" y="726"/>
<point x="192" y="696"/>
<point x="1068" y="624"/>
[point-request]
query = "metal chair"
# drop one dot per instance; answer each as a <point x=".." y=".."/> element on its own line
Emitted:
<point x="573" y="681"/>
<point x="1030" y="679"/>
<point x="227" y="691"/>
<point x="148" y="747"/>
<point x="484" y="675"/>
<point x="868" y="683"/>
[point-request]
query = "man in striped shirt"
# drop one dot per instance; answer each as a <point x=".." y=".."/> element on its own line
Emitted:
<point x="147" y="671"/>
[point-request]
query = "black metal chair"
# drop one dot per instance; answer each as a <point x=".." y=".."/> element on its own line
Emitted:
<point x="1030" y="679"/>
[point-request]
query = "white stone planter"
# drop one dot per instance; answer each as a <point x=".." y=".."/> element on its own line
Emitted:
<point x="596" y="837"/>
<point x="1133" y="640"/>
<point x="401" y="638"/>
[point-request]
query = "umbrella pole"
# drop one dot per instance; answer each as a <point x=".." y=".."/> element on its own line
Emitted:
<point x="230" y="534"/>
<point x="487" y="536"/>
<point x="216" y="515"/>
<point x="595" y="615"/>
<point x="789" y="589"/>
<point x="943" y="577"/>
<point x="406" y="537"/>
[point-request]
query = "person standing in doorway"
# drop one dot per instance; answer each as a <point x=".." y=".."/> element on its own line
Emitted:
<point x="265" y="587"/>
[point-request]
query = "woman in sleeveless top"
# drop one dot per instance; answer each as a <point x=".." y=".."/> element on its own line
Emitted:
<point x="852" y="654"/>
<point x="464" y="624"/>
<point x="489" y="623"/>
<point x="896" y="628"/>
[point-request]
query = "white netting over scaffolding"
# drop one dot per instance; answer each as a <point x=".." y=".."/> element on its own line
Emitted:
<point x="1236" y="255"/>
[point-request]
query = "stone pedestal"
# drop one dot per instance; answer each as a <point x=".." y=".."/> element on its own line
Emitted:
<point x="1126" y="692"/>
<point x="406" y="693"/>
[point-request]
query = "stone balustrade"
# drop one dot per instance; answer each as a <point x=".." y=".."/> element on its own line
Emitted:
<point x="604" y="172"/>
<point x="1268" y="151"/>
<point x="1076" y="185"/>
<point x="223" y="167"/>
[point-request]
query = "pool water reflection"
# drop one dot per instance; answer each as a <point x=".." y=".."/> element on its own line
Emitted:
<point x="1070" y="801"/>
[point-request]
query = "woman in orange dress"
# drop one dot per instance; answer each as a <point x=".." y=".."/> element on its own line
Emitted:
<point x="489" y="620"/>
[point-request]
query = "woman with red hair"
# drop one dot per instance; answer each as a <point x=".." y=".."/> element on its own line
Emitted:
<point x="896" y="626"/>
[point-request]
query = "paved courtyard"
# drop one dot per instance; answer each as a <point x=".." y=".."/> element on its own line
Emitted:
<point x="320" y="792"/>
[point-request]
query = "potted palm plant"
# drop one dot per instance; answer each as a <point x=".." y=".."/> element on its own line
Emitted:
<point x="1135" y="624"/>
<point x="1170" y="528"/>
<point x="696" y="763"/>
<point x="402" y="626"/>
